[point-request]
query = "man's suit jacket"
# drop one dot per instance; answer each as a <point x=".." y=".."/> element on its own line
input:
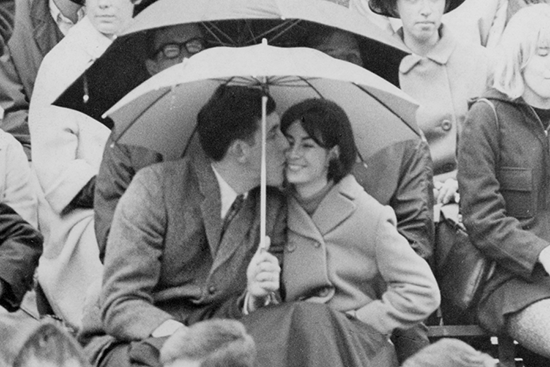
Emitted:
<point x="35" y="34"/>
<point x="349" y="255"/>
<point x="165" y="256"/>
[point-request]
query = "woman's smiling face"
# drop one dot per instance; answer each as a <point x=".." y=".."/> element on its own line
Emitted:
<point x="307" y="162"/>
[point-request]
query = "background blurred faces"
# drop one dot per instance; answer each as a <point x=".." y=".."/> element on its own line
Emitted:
<point x="341" y="45"/>
<point x="536" y="76"/>
<point x="173" y="44"/>
<point x="110" y="17"/>
<point x="421" y="19"/>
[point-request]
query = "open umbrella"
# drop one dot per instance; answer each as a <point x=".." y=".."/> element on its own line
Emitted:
<point x="161" y="113"/>
<point x="225" y="23"/>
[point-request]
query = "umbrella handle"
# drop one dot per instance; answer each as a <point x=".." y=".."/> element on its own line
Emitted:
<point x="263" y="180"/>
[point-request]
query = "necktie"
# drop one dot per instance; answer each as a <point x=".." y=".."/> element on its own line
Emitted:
<point x="233" y="210"/>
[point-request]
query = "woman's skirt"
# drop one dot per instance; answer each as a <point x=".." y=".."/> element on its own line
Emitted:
<point x="303" y="334"/>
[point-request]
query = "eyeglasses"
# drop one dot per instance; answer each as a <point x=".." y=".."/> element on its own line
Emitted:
<point x="173" y="50"/>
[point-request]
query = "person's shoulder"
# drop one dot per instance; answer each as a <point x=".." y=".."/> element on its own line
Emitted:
<point x="352" y="190"/>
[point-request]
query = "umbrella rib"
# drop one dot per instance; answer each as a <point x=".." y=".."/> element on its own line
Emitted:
<point x="311" y="86"/>
<point x="385" y="105"/>
<point x="288" y="24"/>
<point x="139" y="116"/>
<point x="210" y="27"/>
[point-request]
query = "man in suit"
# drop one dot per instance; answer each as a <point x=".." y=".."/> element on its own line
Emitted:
<point x="39" y="26"/>
<point x="171" y="260"/>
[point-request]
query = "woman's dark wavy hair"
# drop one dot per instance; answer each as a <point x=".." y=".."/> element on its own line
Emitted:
<point x="329" y="126"/>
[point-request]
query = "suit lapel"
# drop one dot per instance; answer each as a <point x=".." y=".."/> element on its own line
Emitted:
<point x="45" y="31"/>
<point x="211" y="204"/>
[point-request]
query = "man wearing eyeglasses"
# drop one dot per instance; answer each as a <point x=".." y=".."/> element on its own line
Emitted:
<point x="167" y="46"/>
<point x="170" y="45"/>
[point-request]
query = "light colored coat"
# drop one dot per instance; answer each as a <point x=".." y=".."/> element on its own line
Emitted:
<point x="350" y="256"/>
<point x="442" y="83"/>
<point x="66" y="154"/>
<point x="16" y="182"/>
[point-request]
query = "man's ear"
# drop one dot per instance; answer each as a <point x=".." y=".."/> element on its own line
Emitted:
<point x="240" y="150"/>
<point x="152" y="67"/>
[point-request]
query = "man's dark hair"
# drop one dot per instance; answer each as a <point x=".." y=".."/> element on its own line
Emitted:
<point x="329" y="126"/>
<point x="215" y="343"/>
<point x="232" y="113"/>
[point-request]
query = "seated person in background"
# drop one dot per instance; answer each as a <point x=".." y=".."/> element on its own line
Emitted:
<point x="20" y="242"/>
<point x="167" y="46"/>
<point x="441" y="74"/>
<point x="66" y="153"/>
<point x="39" y="26"/>
<point x="26" y="342"/>
<point x="20" y="248"/>
<point x="405" y="168"/>
<point x="343" y="248"/>
<point x="503" y="176"/>
<point x="178" y="249"/>
<point x="16" y="181"/>
<point x="210" y="343"/>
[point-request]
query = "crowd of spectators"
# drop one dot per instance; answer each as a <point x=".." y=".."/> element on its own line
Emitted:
<point x="112" y="255"/>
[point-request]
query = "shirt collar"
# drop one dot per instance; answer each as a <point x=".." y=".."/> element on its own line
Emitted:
<point x="440" y="54"/>
<point x="63" y="22"/>
<point x="227" y="194"/>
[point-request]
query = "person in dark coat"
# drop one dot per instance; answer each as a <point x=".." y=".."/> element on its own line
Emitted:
<point x="35" y="33"/>
<point x="20" y="249"/>
<point x="503" y="175"/>
<point x="166" y="47"/>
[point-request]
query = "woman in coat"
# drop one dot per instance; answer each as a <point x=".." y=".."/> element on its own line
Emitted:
<point x="343" y="247"/>
<point x="67" y="151"/>
<point x="504" y="160"/>
<point x="442" y="74"/>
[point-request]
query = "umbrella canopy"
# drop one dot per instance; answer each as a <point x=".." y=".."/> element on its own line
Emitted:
<point x="161" y="113"/>
<point x="225" y="23"/>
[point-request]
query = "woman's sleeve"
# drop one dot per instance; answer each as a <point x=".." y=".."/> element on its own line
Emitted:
<point x="498" y="235"/>
<point x="412" y="293"/>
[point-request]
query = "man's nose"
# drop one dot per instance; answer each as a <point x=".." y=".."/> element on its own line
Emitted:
<point x="104" y="3"/>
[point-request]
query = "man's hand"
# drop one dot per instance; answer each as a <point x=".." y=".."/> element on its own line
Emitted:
<point x="446" y="192"/>
<point x="262" y="277"/>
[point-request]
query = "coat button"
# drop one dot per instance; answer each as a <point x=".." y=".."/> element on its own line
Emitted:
<point x="291" y="246"/>
<point x="316" y="244"/>
<point x="446" y="125"/>
<point x="212" y="289"/>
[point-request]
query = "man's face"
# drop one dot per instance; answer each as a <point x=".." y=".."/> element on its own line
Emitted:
<point x="343" y="46"/>
<point x="421" y="18"/>
<point x="173" y="44"/>
<point x="109" y="17"/>
<point x="276" y="146"/>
